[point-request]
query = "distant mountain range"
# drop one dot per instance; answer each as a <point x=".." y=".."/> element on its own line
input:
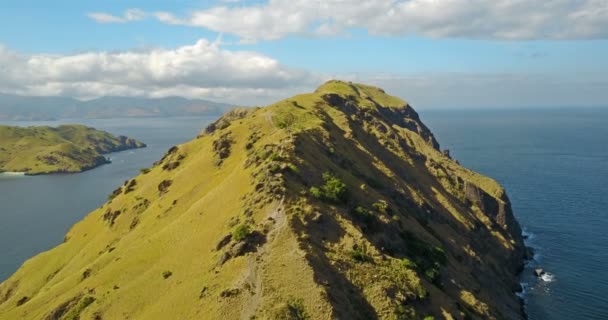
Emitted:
<point x="15" y="107"/>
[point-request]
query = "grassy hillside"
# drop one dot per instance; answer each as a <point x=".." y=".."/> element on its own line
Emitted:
<point x="334" y="204"/>
<point x="67" y="148"/>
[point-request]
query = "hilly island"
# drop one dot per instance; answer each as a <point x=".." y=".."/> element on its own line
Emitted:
<point x="337" y="204"/>
<point x="64" y="149"/>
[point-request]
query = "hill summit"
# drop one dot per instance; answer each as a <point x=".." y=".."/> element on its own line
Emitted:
<point x="336" y="204"/>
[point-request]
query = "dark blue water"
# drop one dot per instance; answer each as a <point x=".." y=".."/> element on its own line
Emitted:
<point x="554" y="165"/>
<point x="36" y="212"/>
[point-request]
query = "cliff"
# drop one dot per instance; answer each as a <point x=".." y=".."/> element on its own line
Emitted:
<point x="65" y="149"/>
<point x="333" y="204"/>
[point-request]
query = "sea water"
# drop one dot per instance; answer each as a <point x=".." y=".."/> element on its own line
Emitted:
<point x="554" y="165"/>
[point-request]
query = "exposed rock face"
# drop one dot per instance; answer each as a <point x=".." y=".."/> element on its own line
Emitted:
<point x="333" y="205"/>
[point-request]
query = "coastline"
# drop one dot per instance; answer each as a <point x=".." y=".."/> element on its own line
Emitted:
<point x="12" y="173"/>
<point x="99" y="162"/>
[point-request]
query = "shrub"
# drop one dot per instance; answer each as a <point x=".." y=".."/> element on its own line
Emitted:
<point x="316" y="192"/>
<point x="296" y="308"/>
<point x="163" y="187"/>
<point x="360" y="254"/>
<point x="167" y="274"/>
<point x="334" y="190"/>
<point x="241" y="232"/>
<point x="403" y="312"/>
<point x="284" y="122"/>
<point x="275" y="157"/>
<point x="144" y="170"/>
<point x="292" y="167"/>
<point x="434" y="274"/>
<point x="274" y="167"/>
<point x="381" y="206"/>
<point x="409" y="264"/>
<point x="428" y="259"/>
<point x="404" y="280"/>
<point x="115" y="194"/>
<point x="363" y="215"/>
<point x="131" y="186"/>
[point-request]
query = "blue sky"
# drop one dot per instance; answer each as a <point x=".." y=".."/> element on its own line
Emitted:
<point x="435" y="54"/>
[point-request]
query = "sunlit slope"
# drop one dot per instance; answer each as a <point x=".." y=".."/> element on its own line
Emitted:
<point x="67" y="148"/>
<point x="334" y="204"/>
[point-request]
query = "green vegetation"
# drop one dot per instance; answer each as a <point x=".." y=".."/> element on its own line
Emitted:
<point x="241" y="232"/>
<point x="334" y="190"/>
<point x="285" y="122"/>
<point x="360" y="254"/>
<point x="244" y="235"/>
<point x="363" y="215"/>
<point x="381" y="206"/>
<point x="427" y="259"/>
<point x="297" y="311"/>
<point x="67" y="148"/>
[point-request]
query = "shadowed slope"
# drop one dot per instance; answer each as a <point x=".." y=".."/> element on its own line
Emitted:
<point x="334" y="204"/>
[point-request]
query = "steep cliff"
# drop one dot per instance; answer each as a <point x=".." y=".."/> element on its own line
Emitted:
<point x="334" y="204"/>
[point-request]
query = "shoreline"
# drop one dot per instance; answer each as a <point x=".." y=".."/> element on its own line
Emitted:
<point x="106" y="160"/>
<point x="12" y="173"/>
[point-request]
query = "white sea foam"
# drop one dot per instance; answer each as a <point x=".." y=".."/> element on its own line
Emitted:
<point x="524" y="290"/>
<point x="12" y="174"/>
<point x="528" y="235"/>
<point x="547" y="277"/>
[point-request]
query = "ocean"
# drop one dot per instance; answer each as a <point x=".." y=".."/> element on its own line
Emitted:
<point x="554" y="165"/>
<point x="552" y="162"/>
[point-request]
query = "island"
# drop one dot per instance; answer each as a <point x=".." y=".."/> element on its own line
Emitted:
<point x="64" y="149"/>
<point x="335" y="204"/>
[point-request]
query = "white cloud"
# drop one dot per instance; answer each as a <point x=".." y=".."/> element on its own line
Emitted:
<point x="201" y="70"/>
<point x="471" y="19"/>
<point x="128" y="15"/>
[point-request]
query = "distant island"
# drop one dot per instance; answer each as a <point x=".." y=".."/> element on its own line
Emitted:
<point x="27" y="108"/>
<point x="64" y="149"/>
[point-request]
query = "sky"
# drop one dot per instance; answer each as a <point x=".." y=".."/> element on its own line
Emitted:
<point x="432" y="53"/>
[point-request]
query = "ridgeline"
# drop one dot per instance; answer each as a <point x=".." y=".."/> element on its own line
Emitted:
<point x="333" y="204"/>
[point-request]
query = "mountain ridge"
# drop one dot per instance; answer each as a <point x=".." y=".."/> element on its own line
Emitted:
<point x="333" y="204"/>
<point x="16" y="107"/>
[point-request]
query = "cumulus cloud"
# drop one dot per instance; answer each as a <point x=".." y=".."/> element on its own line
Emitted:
<point x="471" y="19"/>
<point x="201" y="70"/>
